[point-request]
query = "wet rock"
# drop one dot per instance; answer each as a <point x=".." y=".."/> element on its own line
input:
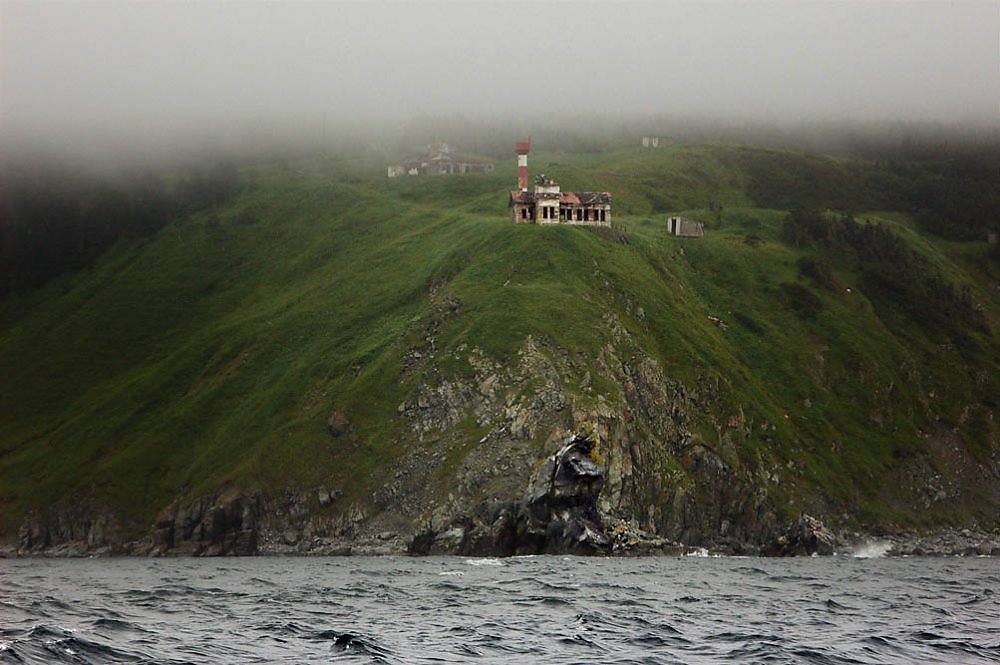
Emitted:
<point x="223" y="525"/>
<point x="805" y="536"/>
<point x="629" y="540"/>
<point x="71" y="528"/>
<point x="562" y="500"/>
<point x="494" y="531"/>
<point x="558" y="514"/>
<point x="947" y="542"/>
<point x="421" y="543"/>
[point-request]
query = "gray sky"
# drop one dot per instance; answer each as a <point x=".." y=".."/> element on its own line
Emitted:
<point x="131" y="68"/>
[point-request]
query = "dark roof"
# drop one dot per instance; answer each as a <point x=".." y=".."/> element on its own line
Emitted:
<point x="569" y="198"/>
<point x="585" y="198"/>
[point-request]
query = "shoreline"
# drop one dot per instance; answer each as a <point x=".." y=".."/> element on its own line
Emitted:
<point x="935" y="543"/>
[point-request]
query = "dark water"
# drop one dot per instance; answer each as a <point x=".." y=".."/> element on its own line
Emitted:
<point x="522" y="610"/>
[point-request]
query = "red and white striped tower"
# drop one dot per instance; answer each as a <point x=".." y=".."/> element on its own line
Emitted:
<point x="522" y="148"/>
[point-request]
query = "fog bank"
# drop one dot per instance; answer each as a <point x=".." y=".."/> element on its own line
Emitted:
<point x="123" y="74"/>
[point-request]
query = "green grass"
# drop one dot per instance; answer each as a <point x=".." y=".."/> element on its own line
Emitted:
<point x="212" y="353"/>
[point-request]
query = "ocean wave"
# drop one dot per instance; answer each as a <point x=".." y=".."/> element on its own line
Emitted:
<point x="874" y="549"/>
<point x="538" y="609"/>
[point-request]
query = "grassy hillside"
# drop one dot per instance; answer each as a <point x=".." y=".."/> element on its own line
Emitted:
<point x="212" y="352"/>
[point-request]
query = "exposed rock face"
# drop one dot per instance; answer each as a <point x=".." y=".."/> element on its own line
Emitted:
<point x="804" y="537"/>
<point x="659" y="479"/>
<point x="239" y="524"/>
<point x="558" y="513"/>
<point x="210" y="526"/>
<point x="561" y="503"/>
<point x="75" y="528"/>
<point x="649" y="479"/>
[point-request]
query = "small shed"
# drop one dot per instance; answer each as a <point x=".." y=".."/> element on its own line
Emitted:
<point x="685" y="227"/>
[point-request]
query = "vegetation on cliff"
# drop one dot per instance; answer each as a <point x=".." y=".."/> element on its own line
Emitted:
<point x="834" y="353"/>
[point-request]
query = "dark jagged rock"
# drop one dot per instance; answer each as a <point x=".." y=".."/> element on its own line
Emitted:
<point x="421" y="543"/>
<point x="557" y="515"/>
<point x="494" y="530"/>
<point x="562" y="500"/>
<point x="75" y="528"/>
<point x="804" y="537"/>
<point x="210" y="526"/>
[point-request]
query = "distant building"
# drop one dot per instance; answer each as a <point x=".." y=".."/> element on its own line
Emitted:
<point x="685" y="227"/>
<point x="438" y="159"/>
<point x="656" y="141"/>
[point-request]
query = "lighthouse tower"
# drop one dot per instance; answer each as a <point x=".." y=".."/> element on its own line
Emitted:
<point x="522" y="148"/>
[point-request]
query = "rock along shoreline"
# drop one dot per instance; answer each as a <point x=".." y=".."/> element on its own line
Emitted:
<point x="559" y="513"/>
<point x="934" y="543"/>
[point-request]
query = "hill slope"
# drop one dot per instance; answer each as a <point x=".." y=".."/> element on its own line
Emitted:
<point x="733" y="381"/>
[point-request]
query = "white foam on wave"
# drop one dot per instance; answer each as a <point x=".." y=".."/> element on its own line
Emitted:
<point x="701" y="552"/>
<point x="451" y="573"/>
<point x="484" y="562"/>
<point x="873" y="549"/>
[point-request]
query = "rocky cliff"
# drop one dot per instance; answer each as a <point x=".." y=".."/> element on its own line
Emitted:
<point x="331" y="364"/>
<point x="560" y="470"/>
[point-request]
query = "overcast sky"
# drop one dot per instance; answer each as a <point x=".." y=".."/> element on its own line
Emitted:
<point x="149" y="66"/>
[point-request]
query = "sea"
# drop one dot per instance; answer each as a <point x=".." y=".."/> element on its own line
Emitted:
<point x="539" y="609"/>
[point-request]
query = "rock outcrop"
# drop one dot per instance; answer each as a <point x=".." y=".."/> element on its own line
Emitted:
<point x="558" y="513"/>
<point x="561" y="503"/>
<point x="946" y="542"/>
<point x="74" y="528"/>
<point x="805" y="536"/>
<point x="211" y="526"/>
<point x="338" y="424"/>
<point x="644" y="480"/>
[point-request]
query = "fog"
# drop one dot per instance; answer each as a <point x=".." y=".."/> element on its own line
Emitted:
<point x="135" y="74"/>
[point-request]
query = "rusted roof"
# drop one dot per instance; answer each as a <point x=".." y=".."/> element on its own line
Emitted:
<point x="457" y="159"/>
<point x="568" y="198"/>
<point x="585" y="198"/>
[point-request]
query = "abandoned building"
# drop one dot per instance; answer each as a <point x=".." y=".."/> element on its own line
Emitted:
<point x="438" y="159"/>
<point x="549" y="205"/>
<point x="656" y="141"/>
<point x="685" y="227"/>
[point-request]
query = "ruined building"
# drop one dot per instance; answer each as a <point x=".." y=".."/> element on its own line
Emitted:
<point x="548" y="205"/>
<point x="438" y="159"/>
<point x="656" y="141"/>
<point x="685" y="227"/>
